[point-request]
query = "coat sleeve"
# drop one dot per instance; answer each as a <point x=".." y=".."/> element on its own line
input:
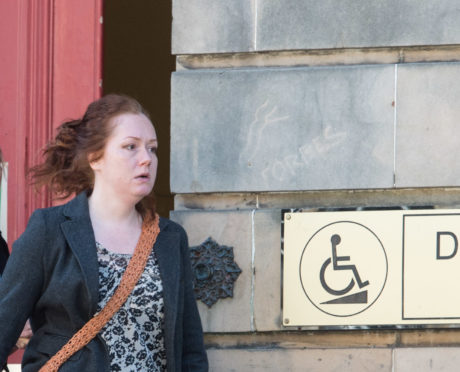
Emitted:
<point x="21" y="283"/>
<point x="194" y="356"/>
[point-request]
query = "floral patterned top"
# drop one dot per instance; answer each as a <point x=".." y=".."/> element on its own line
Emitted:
<point x="134" y="335"/>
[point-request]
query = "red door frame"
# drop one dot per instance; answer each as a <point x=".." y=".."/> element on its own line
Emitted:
<point x="50" y="69"/>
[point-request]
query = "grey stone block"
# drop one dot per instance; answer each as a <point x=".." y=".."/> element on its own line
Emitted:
<point x="207" y="26"/>
<point x="231" y="229"/>
<point x="267" y="276"/>
<point x="212" y="26"/>
<point x="282" y="129"/>
<point x="310" y="24"/>
<point x="298" y="360"/>
<point x="426" y="359"/>
<point x="428" y="111"/>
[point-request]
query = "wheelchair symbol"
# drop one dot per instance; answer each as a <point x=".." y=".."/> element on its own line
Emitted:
<point x="343" y="268"/>
<point x="335" y="241"/>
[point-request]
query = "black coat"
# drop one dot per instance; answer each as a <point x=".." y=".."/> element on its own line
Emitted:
<point x="52" y="277"/>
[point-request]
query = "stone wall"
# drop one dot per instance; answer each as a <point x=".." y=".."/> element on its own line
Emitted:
<point x="280" y="104"/>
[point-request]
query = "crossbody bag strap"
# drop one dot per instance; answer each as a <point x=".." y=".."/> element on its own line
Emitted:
<point x="150" y="231"/>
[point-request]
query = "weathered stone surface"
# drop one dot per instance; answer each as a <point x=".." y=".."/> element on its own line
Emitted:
<point x="305" y="339"/>
<point x="267" y="263"/>
<point x="307" y="360"/>
<point x="427" y="145"/>
<point x="430" y="337"/>
<point x="422" y="197"/>
<point x="427" y="359"/>
<point x="202" y="26"/>
<point x="325" y="57"/>
<point x="231" y="229"/>
<point x="309" y="24"/>
<point x="283" y="129"/>
<point x="206" y="26"/>
<point x="430" y="196"/>
<point x="215" y="201"/>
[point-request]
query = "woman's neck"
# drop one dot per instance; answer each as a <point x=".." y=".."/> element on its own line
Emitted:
<point x="116" y="225"/>
<point x="111" y="209"/>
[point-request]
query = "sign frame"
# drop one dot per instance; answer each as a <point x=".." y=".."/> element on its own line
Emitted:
<point x="406" y="322"/>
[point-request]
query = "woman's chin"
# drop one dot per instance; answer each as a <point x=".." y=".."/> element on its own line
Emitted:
<point x="143" y="191"/>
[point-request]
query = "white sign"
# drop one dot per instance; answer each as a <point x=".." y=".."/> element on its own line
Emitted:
<point x="371" y="268"/>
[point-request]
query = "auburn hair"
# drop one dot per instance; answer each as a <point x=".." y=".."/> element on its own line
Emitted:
<point x="65" y="170"/>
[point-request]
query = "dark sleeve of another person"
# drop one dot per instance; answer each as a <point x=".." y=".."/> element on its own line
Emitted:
<point x="4" y="253"/>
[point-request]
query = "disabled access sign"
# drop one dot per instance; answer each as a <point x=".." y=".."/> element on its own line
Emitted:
<point x="371" y="268"/>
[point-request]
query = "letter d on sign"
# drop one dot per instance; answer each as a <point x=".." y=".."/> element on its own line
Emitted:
<point x="438" y="245"/>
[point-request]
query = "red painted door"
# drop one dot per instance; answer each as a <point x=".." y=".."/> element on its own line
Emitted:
<point x="50" y="69"/>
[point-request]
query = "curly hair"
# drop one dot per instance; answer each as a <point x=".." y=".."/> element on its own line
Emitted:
<point x="66" y="170"/>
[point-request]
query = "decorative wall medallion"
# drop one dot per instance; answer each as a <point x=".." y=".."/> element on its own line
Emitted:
<point x="214" y="271"/>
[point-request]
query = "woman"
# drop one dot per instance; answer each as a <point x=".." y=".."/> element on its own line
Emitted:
<point x="4" y="254"/>
<point x="74" y="255"/>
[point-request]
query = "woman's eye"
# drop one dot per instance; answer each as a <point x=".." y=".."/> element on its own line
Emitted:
<point x="153" y="150"/>
<point x="130" y="146"/>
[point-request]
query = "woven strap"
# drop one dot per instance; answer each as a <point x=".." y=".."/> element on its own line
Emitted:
<point x="150" y="231"/>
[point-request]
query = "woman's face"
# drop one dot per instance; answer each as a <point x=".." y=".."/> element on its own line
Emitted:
<point x="128" y="166"/>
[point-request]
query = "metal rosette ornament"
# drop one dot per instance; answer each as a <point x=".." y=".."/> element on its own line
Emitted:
<point x="214" y="271"/>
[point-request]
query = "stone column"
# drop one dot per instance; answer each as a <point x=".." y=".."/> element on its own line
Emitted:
<point x="284" y="104"/>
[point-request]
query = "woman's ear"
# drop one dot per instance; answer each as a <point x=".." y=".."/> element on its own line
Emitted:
<point x="94" y="161"/>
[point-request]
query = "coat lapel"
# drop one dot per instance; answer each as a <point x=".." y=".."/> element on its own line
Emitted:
<point x="169" y="262"/>
<point x="79" y="234"/>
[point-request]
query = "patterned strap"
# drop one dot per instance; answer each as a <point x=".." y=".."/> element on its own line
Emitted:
<point x="150" y="231"/>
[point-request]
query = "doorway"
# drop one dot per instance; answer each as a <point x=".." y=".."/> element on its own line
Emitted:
<point x="137" y="61"/>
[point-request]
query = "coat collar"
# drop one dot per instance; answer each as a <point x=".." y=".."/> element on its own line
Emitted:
<point x="79" y="234"/>
<point x="77" y="208"/>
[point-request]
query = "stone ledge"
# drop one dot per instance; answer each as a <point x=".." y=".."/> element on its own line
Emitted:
<point x="303" y="339"/>
<point x="440" y="197"/>
<point x="337" y="339"/>
<point x="321" y="57"/>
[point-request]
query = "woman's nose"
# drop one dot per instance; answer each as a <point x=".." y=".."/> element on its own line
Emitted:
<point x="145" y="157"/>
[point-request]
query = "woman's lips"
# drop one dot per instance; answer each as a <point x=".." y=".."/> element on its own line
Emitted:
<point x="143" y="177"/>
